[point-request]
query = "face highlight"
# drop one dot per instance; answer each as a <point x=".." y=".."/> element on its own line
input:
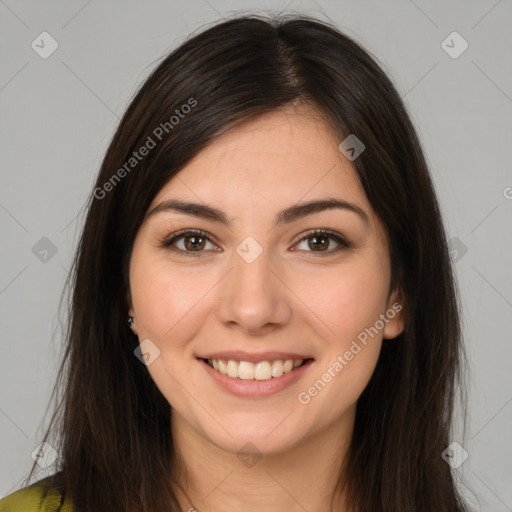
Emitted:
<point x="258" y="274"/>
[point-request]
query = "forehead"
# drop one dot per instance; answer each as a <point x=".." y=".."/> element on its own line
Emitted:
<point x="279" y="157"/>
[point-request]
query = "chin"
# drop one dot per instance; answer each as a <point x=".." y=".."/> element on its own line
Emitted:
<point x="267" y="437"/>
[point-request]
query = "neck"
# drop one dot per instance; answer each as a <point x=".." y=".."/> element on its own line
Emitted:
<point x="301" y="478"/>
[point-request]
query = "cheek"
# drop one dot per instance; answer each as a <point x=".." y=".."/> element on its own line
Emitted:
<point x="167" y="304"/>
<point x="335" y="389"/>
<point x="164" y="299"/>
<point x="343" y="301"/>
<point x="349" y="301"/>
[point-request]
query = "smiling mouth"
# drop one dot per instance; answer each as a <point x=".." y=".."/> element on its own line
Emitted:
<point x="263" y="370"/>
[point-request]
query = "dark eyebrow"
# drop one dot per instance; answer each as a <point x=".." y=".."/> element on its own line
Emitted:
<point x="286" y="216"/>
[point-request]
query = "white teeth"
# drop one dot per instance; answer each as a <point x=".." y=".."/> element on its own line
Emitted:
<point x="264" y="370"/>
<point x="277" y="369"/>
<point x="222" y="367"/>
<point x="288" y="366"/>
<point x="232" y="368"/>
<point x="245" y="370"/>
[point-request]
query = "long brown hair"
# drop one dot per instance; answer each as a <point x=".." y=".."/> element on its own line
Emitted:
<point x="112" y="424"/>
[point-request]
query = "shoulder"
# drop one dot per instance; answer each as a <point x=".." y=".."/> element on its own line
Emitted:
<point x="38" y="497"/>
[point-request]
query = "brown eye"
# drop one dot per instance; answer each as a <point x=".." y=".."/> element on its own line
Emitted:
<point x="194" y="243"/>
<point x="319" y="241"/>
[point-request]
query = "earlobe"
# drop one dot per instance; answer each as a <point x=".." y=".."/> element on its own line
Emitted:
<point x="131" y="321"/>
<point x="395" y="316"/>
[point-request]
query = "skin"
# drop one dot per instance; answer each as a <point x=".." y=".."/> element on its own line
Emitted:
<point x="299" y="301"/>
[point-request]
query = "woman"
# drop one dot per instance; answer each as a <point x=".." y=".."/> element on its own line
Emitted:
<point x="264" y="313"/>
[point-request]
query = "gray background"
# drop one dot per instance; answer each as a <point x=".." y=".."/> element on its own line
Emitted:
<point x="59" y="113"/>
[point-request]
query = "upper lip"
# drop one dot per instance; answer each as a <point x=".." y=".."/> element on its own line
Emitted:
<point x="240" y="355"/>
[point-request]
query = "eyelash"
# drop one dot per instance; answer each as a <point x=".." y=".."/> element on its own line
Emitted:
<point x="166" y="243"/>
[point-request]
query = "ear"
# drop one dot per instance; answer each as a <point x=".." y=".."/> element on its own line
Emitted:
<point x="131" y="313"/>
<point x="133" y="326"/>
<point x="395" y="314"/>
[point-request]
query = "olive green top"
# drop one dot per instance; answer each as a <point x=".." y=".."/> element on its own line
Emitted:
<point x="35" y="498"/>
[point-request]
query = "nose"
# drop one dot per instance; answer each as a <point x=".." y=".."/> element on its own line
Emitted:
<point x="254" y="296"/>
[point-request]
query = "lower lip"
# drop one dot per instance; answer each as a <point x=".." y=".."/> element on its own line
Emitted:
<point x="255" y="388"/>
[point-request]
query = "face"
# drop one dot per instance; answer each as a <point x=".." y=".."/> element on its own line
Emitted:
<point x="252" y="287"/>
